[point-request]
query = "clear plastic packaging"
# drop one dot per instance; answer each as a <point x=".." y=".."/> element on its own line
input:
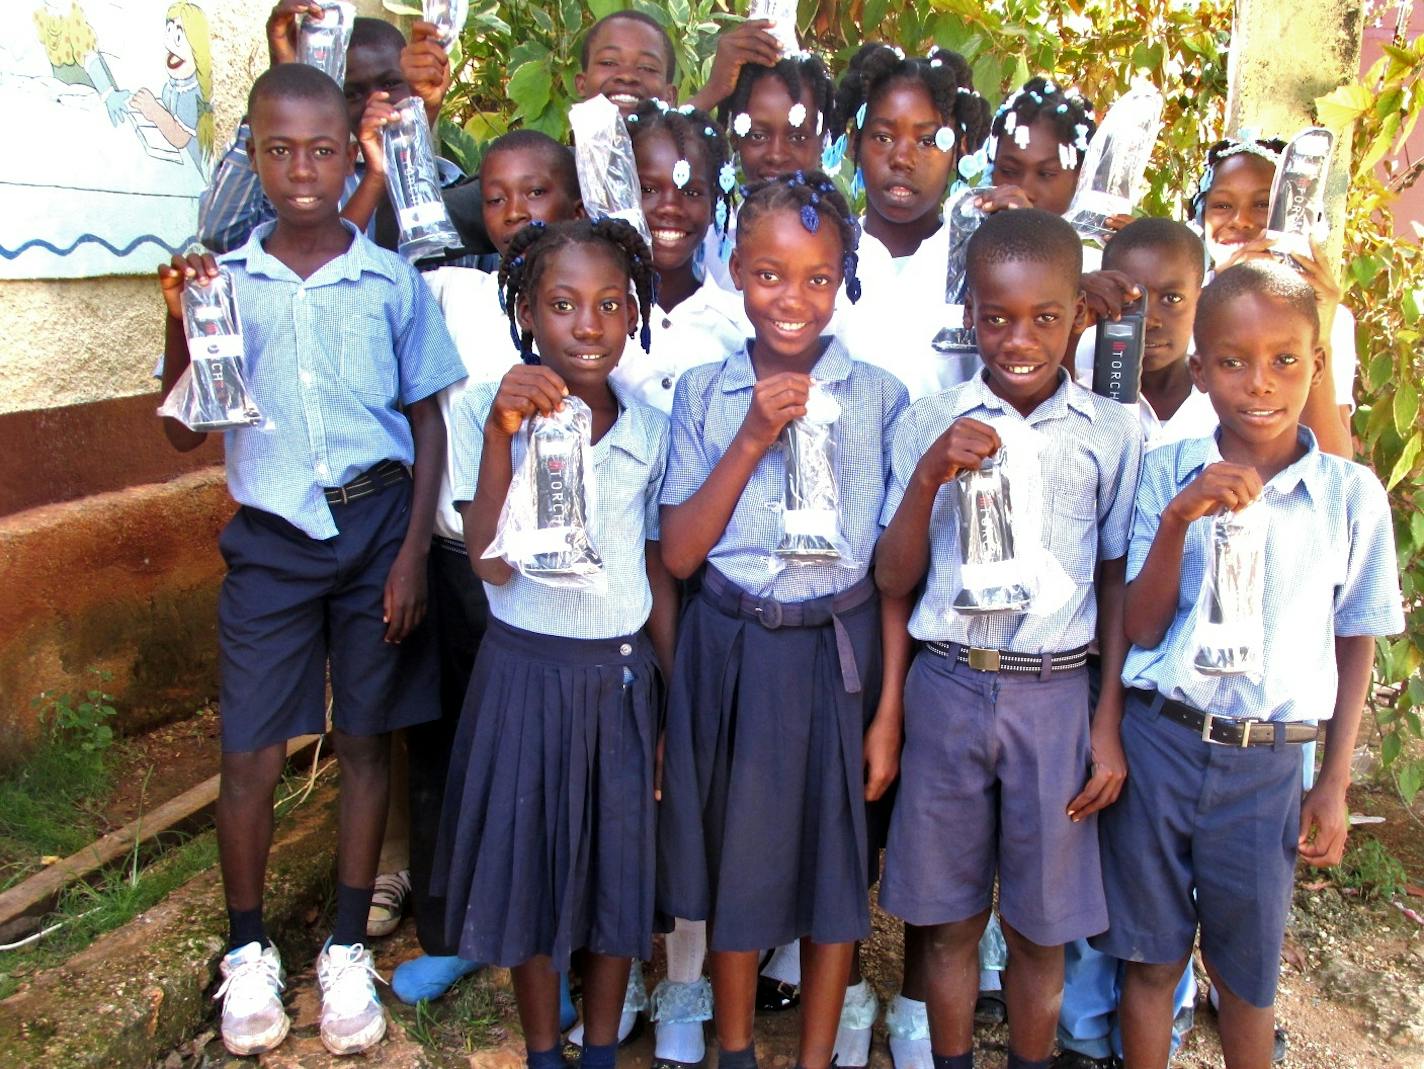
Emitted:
<point x="963" y="219"/>
<point x="1112" y="169"/>
<point x="414" y="185"/>
<point x="1005" y="566"/>
<point x="543" y="529"/>
<point x="1297" y="210"/>
<point x="811" y="513"/>
<point x="783" y="14"/>
<point x="607" y="171"/>
<point x="211" y="394"/>
<point x="1229" y="631"/>
<point x="448" y="16"/>
<point x="322" y="42"/>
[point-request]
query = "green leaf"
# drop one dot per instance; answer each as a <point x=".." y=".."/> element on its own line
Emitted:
<point x="874" y="12"/>
<point x="601" y="8"/>
<point x="1381" y="369"/>
<point x="1405" y="464"/>
<point x="1416" y="532"/>
<point x="1411" y="778"/>
<point x="1364" y="269"/>
<point x="397" y="7"/>
<point x="1390" y="746"/>
<point x="1406" y="407"/>
<point x="1338" y="108"/>
<point x="529" y="88"/>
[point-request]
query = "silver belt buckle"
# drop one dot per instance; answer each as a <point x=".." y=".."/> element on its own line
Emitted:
<point x="1207" y="718"/>
<point x="982" y="660"/>
<point x="1245" y="733"/>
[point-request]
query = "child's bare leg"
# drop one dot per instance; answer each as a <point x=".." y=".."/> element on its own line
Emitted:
<point x="825" y="968"/>
<point x="536" y="993"/>
<point x="244" y="819"/>
<point x="1146" y="1010"/>
<point x="733" y="974"/>
<point x="605" y="979"/>
<point x="951" y="960"/>
<point x="1033" y="992"/>
<point x="1247" y="1031"/>
<point x="365" y="762"/>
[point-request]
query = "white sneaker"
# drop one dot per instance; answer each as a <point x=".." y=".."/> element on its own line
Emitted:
<point x="388" y="901"/>
<point x="352" y="1017"/>
<point x="253" y="1020"/>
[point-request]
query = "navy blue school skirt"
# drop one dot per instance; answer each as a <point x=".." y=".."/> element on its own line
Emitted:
<point x="762" y="826"/>
<point x="546" y="837"/>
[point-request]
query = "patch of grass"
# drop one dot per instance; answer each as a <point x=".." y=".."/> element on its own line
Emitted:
<point x="50" y="802"/>
<point x="1370" y="869"/>
<point x="472" y="1017"/>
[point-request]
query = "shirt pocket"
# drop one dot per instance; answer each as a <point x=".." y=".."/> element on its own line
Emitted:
<point x="368" y="366"/>
<point x="1071" y="513"/>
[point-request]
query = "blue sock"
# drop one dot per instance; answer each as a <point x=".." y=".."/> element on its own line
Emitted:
<point x="429" y="976"/>
<point x="245" y="926"/>
<point x="1015" y="1062"/>
<point x="598" y="1056"/>
<point x="352" y="905"/>
<point x="568" y="1016"/>
<point x="553" y="1058"/>
<point x="737" y="1059"/>
<point x="955" y="1061"/>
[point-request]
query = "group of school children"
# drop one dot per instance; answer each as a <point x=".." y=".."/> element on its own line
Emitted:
<point x="721" y="744"/>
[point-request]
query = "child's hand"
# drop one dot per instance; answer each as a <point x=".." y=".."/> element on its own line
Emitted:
<point x="1219" y="486"/>
<point x="1107" y="293"/>
<point x="403" y="603"/>
<point x="750" y="42"/>
<point x="1317" y="272"/>
<point x="525" y="390"/>
<point x="426" y="66"/>
<point x="1117" y="222"/>
<point x="882" y="755"/>
<point x="194" y="269"/>
<point x="282" y="28"/>
<point x="1109" y="771"/>
<point x="776" y="401"/>
<point x="1324" y="824"/>
<point x="378" y="115"/>
<point x="961" y="448"/>
<point x="1255" y="249"/>
<point x="998" y="198"/>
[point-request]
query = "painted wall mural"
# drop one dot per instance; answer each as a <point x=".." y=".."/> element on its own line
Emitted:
<point x="107" y="127"/>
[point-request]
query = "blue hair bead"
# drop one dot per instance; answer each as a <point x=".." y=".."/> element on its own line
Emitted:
<point x="645" y="336"/>
<point x="721" y="213"/>
<point x="810" y="218"/>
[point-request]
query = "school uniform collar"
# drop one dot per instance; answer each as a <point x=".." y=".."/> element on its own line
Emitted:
<point x="349" y="266"/>
<point x="833" y="366"/>
<point x="626" y="433"/>
<point x="1309" y="471"/>
<point x="1068" y="395"/>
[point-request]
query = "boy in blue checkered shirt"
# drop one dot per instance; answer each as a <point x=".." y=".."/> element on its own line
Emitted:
<point x="344" y="350"/>
<point x="1208" y="828"/>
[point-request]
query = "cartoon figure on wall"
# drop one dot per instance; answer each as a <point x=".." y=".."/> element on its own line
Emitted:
<point x="114" y="98"/>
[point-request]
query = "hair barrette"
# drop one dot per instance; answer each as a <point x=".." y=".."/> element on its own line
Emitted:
<point x="944" y="139"/>
<point x="797" y="115"/>
<point x="860" y="117"/>
<point x="681" y="173"/>
<point x="810" y="218"/>
<point x="727" y="177"/>
<point x="742" y="124"/>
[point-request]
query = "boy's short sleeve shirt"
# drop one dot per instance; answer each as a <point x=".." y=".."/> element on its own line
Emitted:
<point x="330" y="360"/>
<point x="1330" y="571"/>
<point x="629" y="463"/>
<point x="710" y="404"/>
<point x="1089" y="464"/>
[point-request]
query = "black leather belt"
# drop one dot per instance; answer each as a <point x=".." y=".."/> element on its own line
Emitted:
<point x="386" y="473"/>
<point x="986" y="660"/>
<point x="451" y="545"/>
<point x="815" y="612"/>
<point x="1226" y="731"/>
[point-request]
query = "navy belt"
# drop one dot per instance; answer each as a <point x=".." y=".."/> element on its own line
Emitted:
<point x="815" y="612"/>
<point x="386" y="473"/>
<point x="1042" y="665"/>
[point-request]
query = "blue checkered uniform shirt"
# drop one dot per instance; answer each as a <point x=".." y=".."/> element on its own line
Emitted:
<point x="709" y="405"/>
<point x="328" y="360"/>
<point x="1330" y="571"/>
<point x="1089" y="467"/>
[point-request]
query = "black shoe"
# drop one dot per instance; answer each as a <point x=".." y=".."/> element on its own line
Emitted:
<point x="1278" y="1052"/>
<point x="773" y="996"/>
<point x="1072" y="1059"/>
<point x="989" y="1008"/>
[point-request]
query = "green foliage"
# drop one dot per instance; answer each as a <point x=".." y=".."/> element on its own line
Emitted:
<point x="1370" y="869"/>
<point x="1384" y="287"/>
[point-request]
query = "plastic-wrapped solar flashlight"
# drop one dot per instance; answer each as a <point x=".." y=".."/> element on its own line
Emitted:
<point x="1297" y="210"/>
<point x="1117" y="358"/>
<point x="414" y="184"/>
<point x="322" y="42"/>
<point x="607" y="171"/>
<point x="1112" y="168"/>
<point x="211" y="394"/>
<point x="811" y="518"/>
<point x="992" y="579"/>
<point x="1230" y="629"/>
<point x="447" y="16"/>
<point x="782" y="13"/>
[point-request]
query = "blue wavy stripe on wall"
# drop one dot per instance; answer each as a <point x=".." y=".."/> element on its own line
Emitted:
<point x="10" y="254"/>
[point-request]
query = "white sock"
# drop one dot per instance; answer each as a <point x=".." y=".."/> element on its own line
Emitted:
<point x="680" y="1041"/>
<point x="686" y="952"/>
<point x="679" y="1009"/>
<point x="785" y="964"/>
<point x="635" y="1000"/>
<point x="853" y="1034"/>
<point x="990" y="980"/>
<point x="908" y="1023"/>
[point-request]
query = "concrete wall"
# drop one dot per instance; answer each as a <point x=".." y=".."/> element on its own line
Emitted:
<point x="108" y="538"/>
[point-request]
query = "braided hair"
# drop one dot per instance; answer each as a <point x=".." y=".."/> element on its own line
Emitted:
<point x="528" y="254"/>
<point x="945" y="76"/>
<point x="814" y="198"/>
<point x="691" y="126"/>
<point x="1266" y="148"/>
<point x="1066" y="112"/>
<point x="797" y="74"/>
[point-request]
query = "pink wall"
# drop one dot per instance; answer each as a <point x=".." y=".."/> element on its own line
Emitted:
<point x="1410" y="206"/>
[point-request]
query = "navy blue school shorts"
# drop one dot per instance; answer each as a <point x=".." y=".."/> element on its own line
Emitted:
<point x="1204" y="835"/>
<point x="290" y="603"/>
<point x="991" y="761"/>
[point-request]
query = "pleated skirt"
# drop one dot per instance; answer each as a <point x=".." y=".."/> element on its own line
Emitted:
<point x="546" y="842"/>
